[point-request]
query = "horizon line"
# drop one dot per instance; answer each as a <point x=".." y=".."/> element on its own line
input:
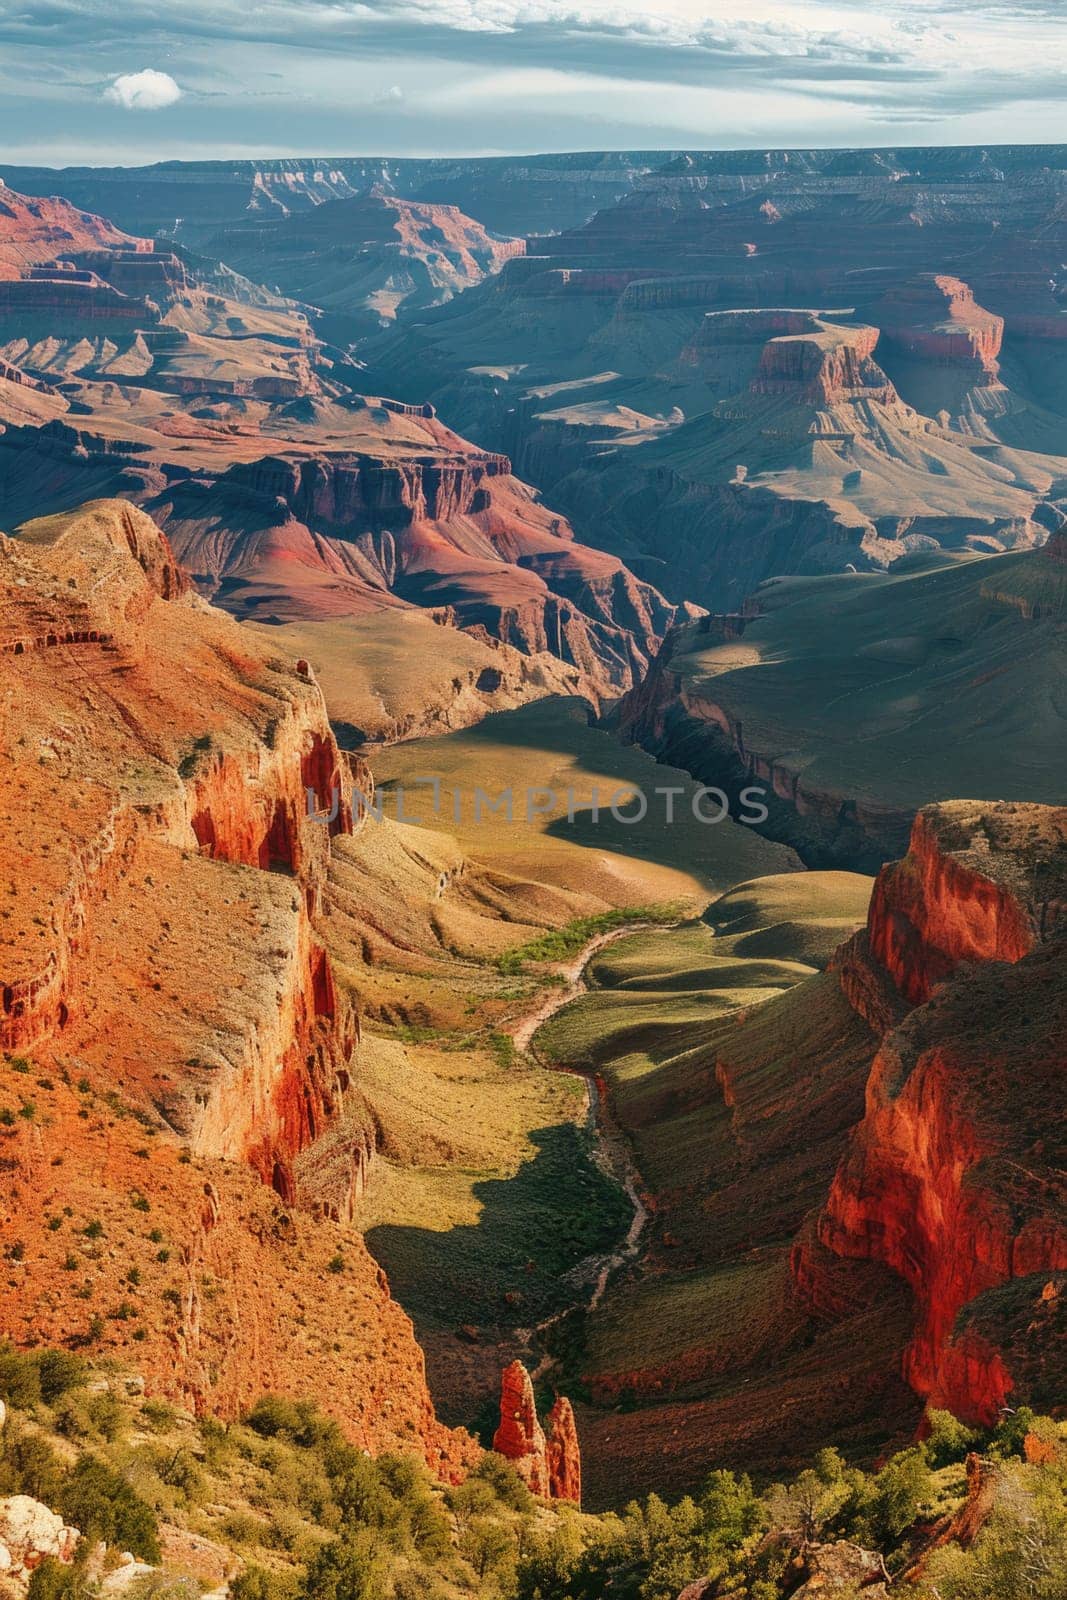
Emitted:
<point x="668" y="151"/>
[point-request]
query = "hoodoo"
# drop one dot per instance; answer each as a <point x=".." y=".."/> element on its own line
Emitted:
<point x="550" y="1465"/>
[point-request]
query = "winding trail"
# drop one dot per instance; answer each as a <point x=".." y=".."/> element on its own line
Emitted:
<point x="611" y="1151"/>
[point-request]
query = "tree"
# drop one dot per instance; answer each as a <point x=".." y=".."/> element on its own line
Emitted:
<point x="102" y="1505"/>
<point x="948" y="1439"/>
<point x="344" y="1569"/>
<point x="899" y="1492"/>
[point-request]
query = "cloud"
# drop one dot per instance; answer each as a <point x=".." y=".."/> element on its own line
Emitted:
<point x="792" y="71"/>
<point x="143" y="91"/>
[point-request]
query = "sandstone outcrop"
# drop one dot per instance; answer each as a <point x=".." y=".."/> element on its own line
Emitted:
<point x="826" y="366"/>
<point x="950" y="1178"/>
<point x="550" y="1465"/>
<point x="936" y="317"/>
<point x="842" y="1567"/>
<point x="975" y="885"/>
<point x="33" y="230"/>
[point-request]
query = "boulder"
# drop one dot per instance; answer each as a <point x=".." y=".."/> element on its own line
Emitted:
<point x="29" y="1534"/>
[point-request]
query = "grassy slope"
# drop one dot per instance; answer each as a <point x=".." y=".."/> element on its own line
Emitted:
<point x="485" y="1195"/>
<point x="597" y="864"/>
<point x="904" y="688"/>
<point x="735" y="1078"/>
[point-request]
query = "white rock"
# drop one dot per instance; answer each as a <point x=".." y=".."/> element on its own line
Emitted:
<point x="117" y="1582"/>
<point x="31" y="1533"/>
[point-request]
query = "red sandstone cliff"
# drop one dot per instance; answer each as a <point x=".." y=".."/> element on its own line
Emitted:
<point x="954" y="1176"/>
<point x="36" y="230"/>
<point x="165" y="979"/>
<point x="825" y="367"/>
<point x="935" y="317"/>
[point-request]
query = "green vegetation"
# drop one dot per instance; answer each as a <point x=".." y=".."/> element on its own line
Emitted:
<point x="508" y="1268"/>
<point x="558" y="943"/>
<point x="303" y="1514"/>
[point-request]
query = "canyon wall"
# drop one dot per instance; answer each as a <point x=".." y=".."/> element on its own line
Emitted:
<point x="951" y="1177"/>
<point x="166" y="978"/>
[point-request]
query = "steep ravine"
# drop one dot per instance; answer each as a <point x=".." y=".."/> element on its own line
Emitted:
<point x="611" y="1153"/>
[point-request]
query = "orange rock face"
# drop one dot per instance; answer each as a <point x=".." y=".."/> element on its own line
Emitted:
<point x="36" y="230"/>
<point x="936" y="316"/>
<point x="175" y="1029"/>
<point x="550" y="1466"/>
<point x="956" y="897"/>
<point x="564" y="1455"/>
<point x="951" y="1177"/>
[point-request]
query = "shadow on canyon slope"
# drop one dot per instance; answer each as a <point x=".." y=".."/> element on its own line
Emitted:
<point x="509" y="1270"/>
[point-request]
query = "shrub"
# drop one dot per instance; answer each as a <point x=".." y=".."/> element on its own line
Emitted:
<point x="102" y="1505"/>
<point x="59" y="1371"/>
<point x="948" y="1439"/>
<point x="96" y="1416"/>
<point x="256" y="1584"/>
<point x="52" y="1580"/>
<point x="344" y="1569"/>
<point x="501" y="1476"/>
<point x="29" y="1465"/>
<point x="20" y="1379"/>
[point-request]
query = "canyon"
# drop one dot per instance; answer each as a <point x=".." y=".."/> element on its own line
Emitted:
<point x="363" y="260"/>
<point x="290" y="493"/>
<point x="656" y="369"/>
<point x="566" y="476"/>
<point x="852" y="1179"/>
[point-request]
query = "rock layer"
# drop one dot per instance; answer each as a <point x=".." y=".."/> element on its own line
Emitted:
<point x="166" y="912"/>
<point x="950" y="1178"/>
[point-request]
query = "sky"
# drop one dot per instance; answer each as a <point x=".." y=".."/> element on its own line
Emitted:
<point x="132" y="81"/>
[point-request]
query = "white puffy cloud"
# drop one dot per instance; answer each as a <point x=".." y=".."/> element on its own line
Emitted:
<point x="143" y="91"/>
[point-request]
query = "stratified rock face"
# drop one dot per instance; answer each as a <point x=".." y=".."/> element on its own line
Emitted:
<point x="550" y="1466"/>
<point x="823" y="458"/>
<point x="951" y="1177"/>
<point x="513" y="194"/>
<point x="36" y="230"/>
<point x="170" y="791"/>
<point x="367" y="256"/>
<point x="935" y="316"/>
<point x="825" y="367"/>
<point x="290" y="494"/>
<point x="969" y="889"/>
